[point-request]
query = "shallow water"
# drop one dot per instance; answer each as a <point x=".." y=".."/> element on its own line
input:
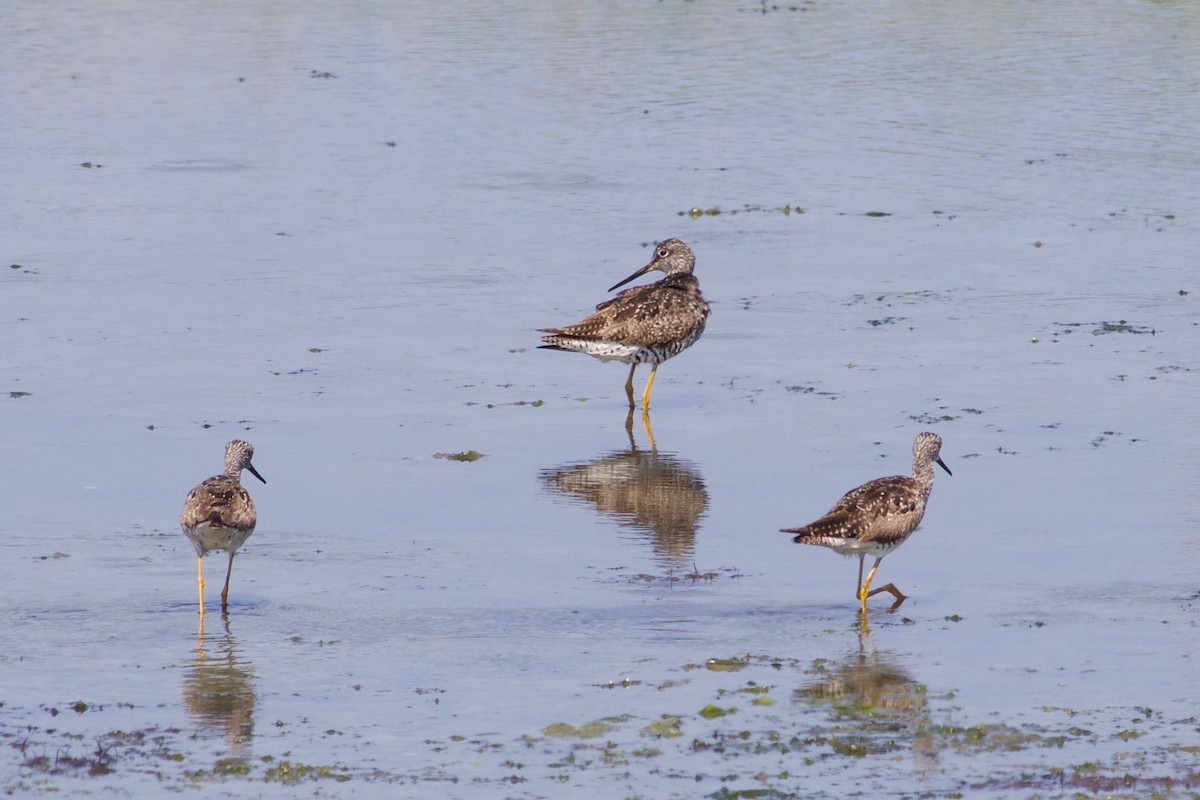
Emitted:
<point x="333" y="232"/>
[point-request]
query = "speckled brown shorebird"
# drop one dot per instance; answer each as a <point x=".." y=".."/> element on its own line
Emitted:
<point x="219" y="514"/>
<point x="876" y="518"/>
<point x="645" y="324"/>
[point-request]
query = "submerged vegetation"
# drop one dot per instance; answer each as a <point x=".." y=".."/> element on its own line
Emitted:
<point x="465" y="455"/>
<point x="802" y="732"/>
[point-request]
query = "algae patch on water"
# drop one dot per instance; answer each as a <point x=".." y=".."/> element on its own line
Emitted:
<point x="287" y="772"/>
<point x="465" y="455"/>
<point x="711" y="711"/>
<point x="588" y="730"/>
<point x="725" y="664"/>
<point x="696" y="212"/>
<point x="669" y="727"/>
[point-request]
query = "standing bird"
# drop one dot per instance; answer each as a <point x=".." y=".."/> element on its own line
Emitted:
<point x="645" y="324"/>
<point x="219" y="514"/>
<point x="876" y="518"/>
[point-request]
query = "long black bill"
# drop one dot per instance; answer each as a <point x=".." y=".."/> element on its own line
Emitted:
<point x="942" y="464"/>
<point x="254" y="472"/>
<point x="649" y="267"/>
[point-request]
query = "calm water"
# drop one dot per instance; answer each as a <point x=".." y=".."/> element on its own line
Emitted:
<point x="334" y="231"/>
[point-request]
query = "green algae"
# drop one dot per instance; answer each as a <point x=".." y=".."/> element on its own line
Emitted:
<point x="287" y="772"/>
<point x="696" y="212"/>
<point x="668" y="727"/>
<point x="588" y="730"/>
<point x="711" y="711"/>
<point x="845" y="714"/>
<point x="465" y="455"/>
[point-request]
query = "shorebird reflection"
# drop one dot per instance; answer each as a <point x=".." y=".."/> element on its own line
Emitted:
<point x="218" y="689"/>
<point x="871" y="698"/>
<point x="656" y="494"/>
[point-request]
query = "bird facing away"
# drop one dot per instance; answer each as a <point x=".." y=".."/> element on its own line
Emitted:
<point x="219" y="514"/>
<point x="876" y="518"/>
<point x="644" y="324"/>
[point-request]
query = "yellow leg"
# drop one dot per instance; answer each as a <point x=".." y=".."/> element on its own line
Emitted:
<point x="864" y="627"/>
<point x="890" y="589"/>
<point x="863" y="592"/>
<point x="629" y="383"/>
<point x="866" y="591"/>
<point x="649" y="383"/>
<point x="200" y="581"/>
<point x="225" y="591"/>
<point x="646" y="425"/>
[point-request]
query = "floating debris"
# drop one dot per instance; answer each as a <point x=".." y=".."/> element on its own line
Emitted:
<point x="669" y="727"/>
<point x="696" y="212"/>
<point x="1104" y="327"/>
<point x="465" y="455"/>
<point x="711" y="711"/>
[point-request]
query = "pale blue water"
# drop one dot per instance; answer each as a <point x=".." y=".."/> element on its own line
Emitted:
<point x="411" y="191"/>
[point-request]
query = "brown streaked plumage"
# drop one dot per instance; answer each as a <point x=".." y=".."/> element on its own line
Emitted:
<point x="219" y="514"/>
<point x="645" y="324"/>
<point x="876" y="518"/>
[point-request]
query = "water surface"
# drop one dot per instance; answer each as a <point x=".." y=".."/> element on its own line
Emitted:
<point x="334" y="230"/>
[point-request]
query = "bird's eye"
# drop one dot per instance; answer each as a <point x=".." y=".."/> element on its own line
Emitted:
<point x="662" y="252"/>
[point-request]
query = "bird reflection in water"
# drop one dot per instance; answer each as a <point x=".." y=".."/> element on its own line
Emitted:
<point x="218" y="689"/>
<point x="874" y="702"/>
<point x="658" y="495"/>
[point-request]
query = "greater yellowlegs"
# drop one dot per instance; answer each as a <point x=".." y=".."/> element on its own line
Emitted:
<point x="645" y="324"/>
<point x="876" y="518"/>
<point x="219" y="514"/>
